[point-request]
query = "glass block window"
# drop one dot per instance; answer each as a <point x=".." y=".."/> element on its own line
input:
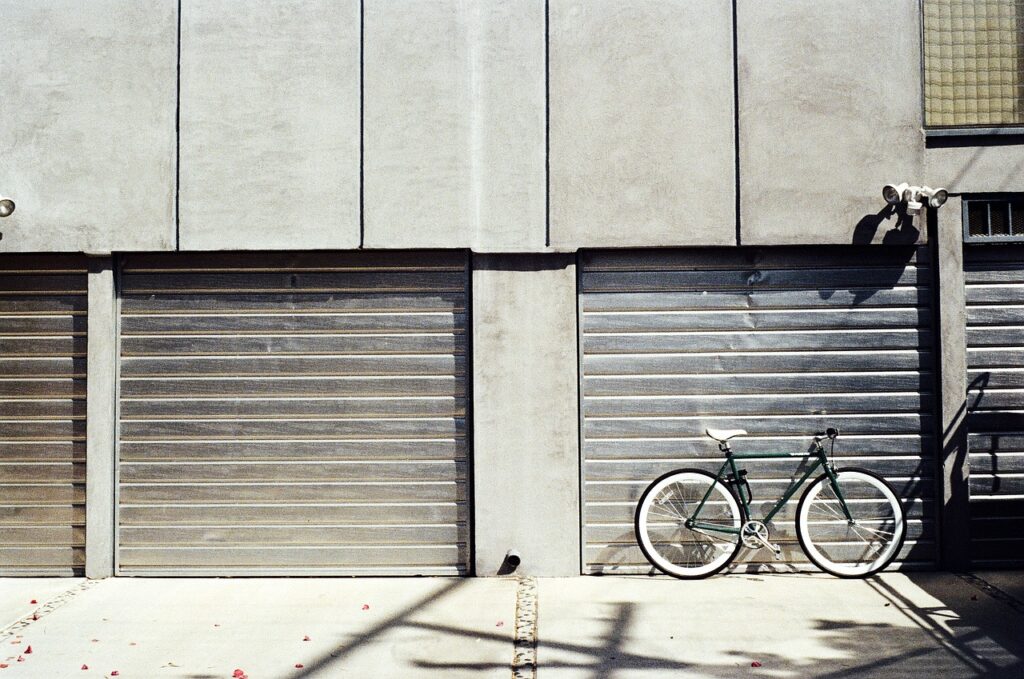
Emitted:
<point x="991" y="218"/>
<point x="973" y="60"/>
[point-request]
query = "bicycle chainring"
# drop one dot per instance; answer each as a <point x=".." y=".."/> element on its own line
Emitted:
<point x="754" y="534"/>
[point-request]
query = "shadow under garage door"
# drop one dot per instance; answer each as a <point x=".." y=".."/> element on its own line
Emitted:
<point x="293" y="414"/>
<point x="782" y="342"/>
<point x="43" y="344"/>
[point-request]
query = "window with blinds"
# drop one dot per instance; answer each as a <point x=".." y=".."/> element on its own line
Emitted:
<point x="973" y="61"/>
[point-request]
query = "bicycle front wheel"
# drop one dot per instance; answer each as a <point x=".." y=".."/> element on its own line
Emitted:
<point x="857" y="546"/>
<point x="665" y="539"/>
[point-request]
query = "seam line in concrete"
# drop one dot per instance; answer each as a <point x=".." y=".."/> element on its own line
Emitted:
<point x="524" y="647"/>
<point x="49" y="607"/>
<point x="177" y="141"/>
<point x="547" y="124"/>
<point x="993" y="591"/>
<point x="362" y="124"/>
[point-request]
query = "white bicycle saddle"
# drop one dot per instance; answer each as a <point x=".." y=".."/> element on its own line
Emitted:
<point x="723" y="435"/>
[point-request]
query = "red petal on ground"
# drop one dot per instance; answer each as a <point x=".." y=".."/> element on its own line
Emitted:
<point x="366" y="607"/>
<point x="755" y="664"/>
<point x="500" y="623"/>
<point x="95" y="641"/>
<point x="85" y="667"/>
<point x="35" y="616"/>
<point x="114" y="673"/>
<point x="21" y="659"/>
<point x="299" y="666"/>
<point x="3" y="666"/>
<point x="238" y="674"/>
<point x="28" y="650"/>
<point x="306" y="638"/>
<point x="33" y="601"/>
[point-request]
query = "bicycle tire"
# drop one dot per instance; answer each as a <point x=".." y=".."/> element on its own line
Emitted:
<point x="844" y="549"/>
<point x="668" y="544"/>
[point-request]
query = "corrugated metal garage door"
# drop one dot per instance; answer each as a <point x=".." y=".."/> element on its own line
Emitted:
<point x="780" y="342"/>
<point x="995" y="363"/>
<point x="43" y="319"/>
<point x="293" y="414"/>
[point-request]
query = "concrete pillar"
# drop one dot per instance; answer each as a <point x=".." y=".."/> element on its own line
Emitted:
<point x="946" y="236"/>
<point x="526" y="473"/>
<point x="100" y="420"/>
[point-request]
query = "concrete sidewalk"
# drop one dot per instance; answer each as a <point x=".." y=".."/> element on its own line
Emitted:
<point x="928" y="624"/>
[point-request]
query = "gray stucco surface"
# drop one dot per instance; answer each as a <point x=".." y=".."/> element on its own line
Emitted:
<point x="526" y="471"/>
<point x="87" y="134"/>
<point x="269" y="125"/>
<point x="101" y="396"/>
<point x="976" y="167"/>
<point x="641" y="103"/>
<point x="830" y="111"/>
<point x="952" y="386"/>
<point x="454" y="124"/>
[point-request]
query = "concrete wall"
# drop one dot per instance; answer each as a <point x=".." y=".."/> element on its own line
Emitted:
<point x="642" y="123"/>
<point x="87" y="135"/>
<point x="269" y="124"/>
<point x="454" y="124"/>
<point x="499" y="125"/>
<point x="830" y="111"/>
<point x="976" y="165"/>
<point x="526" y="471"/>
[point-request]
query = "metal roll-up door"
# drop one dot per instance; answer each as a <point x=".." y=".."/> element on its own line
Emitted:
<point x="994" y="277"/>
<point x="293" y="413"/>
<point x="781" y="342"/>
<point x="43" y="325"/>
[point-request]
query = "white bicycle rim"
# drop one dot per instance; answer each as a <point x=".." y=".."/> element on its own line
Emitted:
<point x="850" y="569"/>
<point x="700" y="483"/>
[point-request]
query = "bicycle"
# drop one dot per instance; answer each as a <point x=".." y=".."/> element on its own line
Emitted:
<point x="691" y="524"/>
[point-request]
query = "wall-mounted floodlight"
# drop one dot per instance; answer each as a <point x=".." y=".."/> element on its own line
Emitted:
<point x="936" y="197"/>
<point x="6" y="207"/>
<point x="914" y="197"/>
<point x="893" y="193"/>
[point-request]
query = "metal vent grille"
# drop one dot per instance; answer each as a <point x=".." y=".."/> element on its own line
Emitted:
<point x="994" y="219"/>
<point x="972" y="62"/>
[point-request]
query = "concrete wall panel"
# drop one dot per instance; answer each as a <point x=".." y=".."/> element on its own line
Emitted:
<point x="454" y="124"/>
<point x="830" y="111"/>
<point x="642" y="130"/>
<point x="525" y="413"/>
<point x="269" y="124"/>
<point x="87" y="124"/>
<point x="970" y="165"/>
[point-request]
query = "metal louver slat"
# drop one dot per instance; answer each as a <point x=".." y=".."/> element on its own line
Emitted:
<point x="994" y="278"/>
<point x="781" y="342"/>
<point x="293" y="414"/>
<point x="43" y="326"/>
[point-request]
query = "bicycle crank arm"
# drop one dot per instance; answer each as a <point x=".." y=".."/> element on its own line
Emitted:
<point x="775" y="548"/>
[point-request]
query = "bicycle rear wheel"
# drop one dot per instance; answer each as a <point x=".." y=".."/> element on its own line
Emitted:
<point x="856" y="547"/>
<point x="664" y="538"/>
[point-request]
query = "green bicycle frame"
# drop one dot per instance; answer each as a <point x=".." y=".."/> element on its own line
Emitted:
<point x="730" y="463"/>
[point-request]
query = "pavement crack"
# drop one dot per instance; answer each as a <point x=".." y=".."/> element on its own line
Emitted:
<point x="993" y="591"/>
<point x="524" y="647"/>
<point x="45" y="609"/>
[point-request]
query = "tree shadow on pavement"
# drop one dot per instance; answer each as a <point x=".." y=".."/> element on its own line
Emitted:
<point x="958" y="632"/>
